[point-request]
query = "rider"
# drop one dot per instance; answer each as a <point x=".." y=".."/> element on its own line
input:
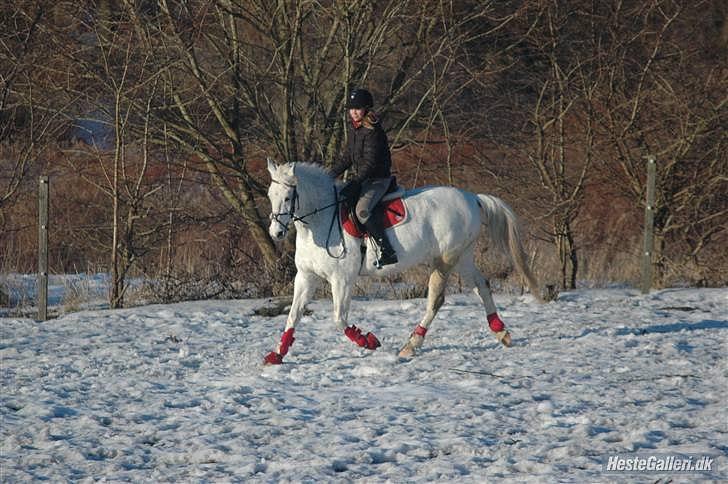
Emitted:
<point x="369" y="163"/>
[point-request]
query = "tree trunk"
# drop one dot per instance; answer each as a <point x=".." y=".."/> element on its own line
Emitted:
<point x="568" y="256"/>
<point x="573" y="257"/>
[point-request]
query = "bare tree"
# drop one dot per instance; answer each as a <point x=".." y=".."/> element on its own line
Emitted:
<point x="26" y="122"/>
<point x="555" y="105"/>
<point x="540" y="83"/>
<point x="249" y="77"/>
<point x="119" y="85"/>
<point x="667" y="99"/>
<point x="563" y="123"/>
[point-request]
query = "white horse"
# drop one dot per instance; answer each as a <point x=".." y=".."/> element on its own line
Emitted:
<point x="441" y="228"/>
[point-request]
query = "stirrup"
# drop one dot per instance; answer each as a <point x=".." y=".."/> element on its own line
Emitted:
<point x="382" y="261"/>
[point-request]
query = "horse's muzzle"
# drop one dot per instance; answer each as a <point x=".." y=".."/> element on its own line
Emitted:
<point x="277" y="231"/>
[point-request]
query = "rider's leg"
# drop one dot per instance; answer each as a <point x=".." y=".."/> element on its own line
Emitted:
<point x="371" y="217"/>
<point x="435" y="300"/>
<point x="304" y="287"/>
<point x="375" y="228"/>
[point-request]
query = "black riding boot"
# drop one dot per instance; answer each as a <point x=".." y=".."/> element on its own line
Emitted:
<point x="376" y="232"/>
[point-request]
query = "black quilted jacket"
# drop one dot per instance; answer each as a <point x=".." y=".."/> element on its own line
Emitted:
<point x="366" y="155"/>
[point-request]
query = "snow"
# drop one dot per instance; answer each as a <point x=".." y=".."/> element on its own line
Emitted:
<point x="178" y="392"/>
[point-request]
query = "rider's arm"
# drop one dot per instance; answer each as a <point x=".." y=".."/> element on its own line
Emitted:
<point x="343" y="165"/>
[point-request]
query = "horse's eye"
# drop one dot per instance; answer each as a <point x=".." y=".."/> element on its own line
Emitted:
<point x="287" y="199"/>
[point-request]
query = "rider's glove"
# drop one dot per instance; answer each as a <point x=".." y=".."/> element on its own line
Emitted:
<point x="350" y="191"/>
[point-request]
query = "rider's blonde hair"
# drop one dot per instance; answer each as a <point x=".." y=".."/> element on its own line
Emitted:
<point x="370" y="119"/>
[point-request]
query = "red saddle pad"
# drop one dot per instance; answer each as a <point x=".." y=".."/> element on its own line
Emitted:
<point x="395" y="212"/>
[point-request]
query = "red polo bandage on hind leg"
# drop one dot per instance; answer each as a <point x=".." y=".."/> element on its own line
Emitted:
<point x="287" y="340"/>
<point x="495" y="323"/>
<point x="273" y="358"/>
<point x="420" y="331"/>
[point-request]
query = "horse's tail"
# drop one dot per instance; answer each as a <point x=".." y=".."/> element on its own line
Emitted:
<point x="503" y="229"/>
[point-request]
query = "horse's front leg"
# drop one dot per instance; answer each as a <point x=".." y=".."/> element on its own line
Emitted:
<point x="304" y="286"/>
<point x="341" y="293"/>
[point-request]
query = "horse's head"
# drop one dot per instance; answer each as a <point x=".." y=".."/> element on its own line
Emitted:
<point x="283" y="198"/>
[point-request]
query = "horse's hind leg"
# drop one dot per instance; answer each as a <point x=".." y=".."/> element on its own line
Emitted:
<point x="473" y="277"/>
<point x="304" y="286"/>
<point x="435" y="299"/>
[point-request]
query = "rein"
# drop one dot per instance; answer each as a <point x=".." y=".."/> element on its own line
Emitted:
<point x="294" y="218"/>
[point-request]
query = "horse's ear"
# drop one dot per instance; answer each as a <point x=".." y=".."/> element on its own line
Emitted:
<point x="272" y="167"/>
<point x="288" y="171"/>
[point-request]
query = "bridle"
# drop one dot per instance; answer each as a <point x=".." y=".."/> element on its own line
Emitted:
<point x="292" y="217"/>
<point x="291" y="212"/>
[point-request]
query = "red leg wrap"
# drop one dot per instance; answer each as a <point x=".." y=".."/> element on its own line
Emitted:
<point x="276" y="358"/>
<point x="273" y="358"/>
<point x="287" y="340"/>
<point x="372" y="342"/>
<point x="369" y="341"/>
<point x="420" y="331"/>
<point x="495" y="323"/>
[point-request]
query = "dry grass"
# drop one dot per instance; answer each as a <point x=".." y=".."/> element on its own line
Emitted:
<point x="76" y="294"/>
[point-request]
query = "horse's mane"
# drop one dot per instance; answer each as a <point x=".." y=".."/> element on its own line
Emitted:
<point x="311" y="171"/>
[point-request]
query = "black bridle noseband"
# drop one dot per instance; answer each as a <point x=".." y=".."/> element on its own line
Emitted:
<point x="292" y="217"/>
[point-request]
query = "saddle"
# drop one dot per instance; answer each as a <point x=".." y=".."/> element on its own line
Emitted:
<point x="392" y="205"/>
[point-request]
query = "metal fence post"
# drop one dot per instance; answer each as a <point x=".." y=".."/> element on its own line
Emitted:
<point x="649" y="237"/>
<point x="43" y="249"/>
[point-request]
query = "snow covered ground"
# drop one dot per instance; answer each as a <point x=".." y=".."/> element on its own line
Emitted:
<point x="178" y="392"/>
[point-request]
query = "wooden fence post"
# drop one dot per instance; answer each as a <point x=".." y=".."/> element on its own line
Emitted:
<point x="43" y="249"/>
<point x="649" y="238"/>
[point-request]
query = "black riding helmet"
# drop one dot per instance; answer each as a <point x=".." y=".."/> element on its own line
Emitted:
<point x="360" y="99"/>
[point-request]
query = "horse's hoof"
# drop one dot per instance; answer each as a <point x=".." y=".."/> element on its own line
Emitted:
<point x="273" y="358"/>
<point x="504" y="337"/>
<point x="407" y="351"/>
<point x="413" y="344"/>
